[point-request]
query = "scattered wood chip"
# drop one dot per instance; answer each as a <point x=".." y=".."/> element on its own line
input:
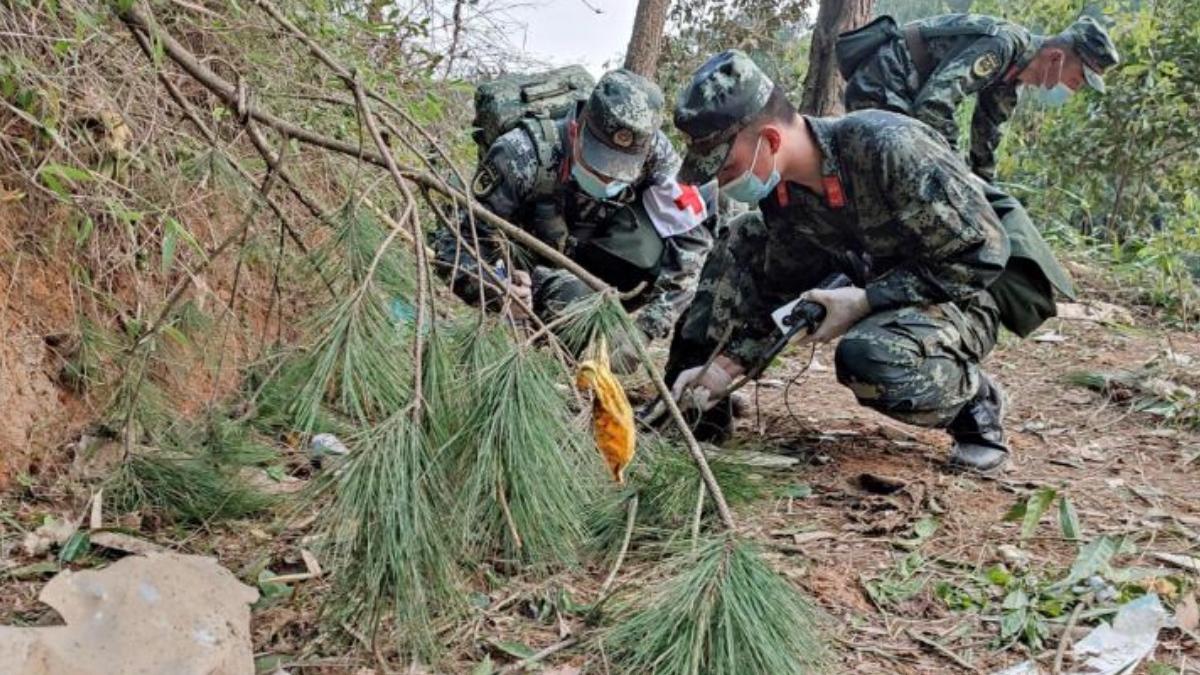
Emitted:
<point x="1184" y="562"/>
<point x="310" y="562"/>
<point x="1050" y="336"/>
<point x="96" y="520"/>
<point x="809" y="537"/>
<point x="125" y="543"/>
<point x="1100" y="312"/>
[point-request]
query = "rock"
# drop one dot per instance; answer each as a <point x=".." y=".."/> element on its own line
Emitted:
<point x="161" y="613"/>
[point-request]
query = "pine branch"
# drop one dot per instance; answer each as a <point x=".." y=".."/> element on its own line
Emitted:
<point x="136" y="21"/>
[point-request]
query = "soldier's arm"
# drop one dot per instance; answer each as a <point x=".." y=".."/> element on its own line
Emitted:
<point x="675" y="286"/>
<point x="686" y="240"/>
<point x="954" y="243"/>
<point x="971" y="70"/>
<point x="502" y="183"/>
<point x="756" y="279"/>
<point x="992" y="109"/>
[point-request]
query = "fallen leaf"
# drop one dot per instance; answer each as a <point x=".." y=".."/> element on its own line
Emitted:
<point x="1187" y="614"/>
<point x="52" y="532"/>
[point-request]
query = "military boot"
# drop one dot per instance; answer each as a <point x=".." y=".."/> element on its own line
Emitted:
<point x="978" y="431"/>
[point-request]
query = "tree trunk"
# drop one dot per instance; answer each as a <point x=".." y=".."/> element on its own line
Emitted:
<point x="823" y="85"/>
<point x="646" y="42"/>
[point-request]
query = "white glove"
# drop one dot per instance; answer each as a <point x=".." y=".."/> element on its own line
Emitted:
<point x="697" y="388"/>
<point x="844" y="307"/>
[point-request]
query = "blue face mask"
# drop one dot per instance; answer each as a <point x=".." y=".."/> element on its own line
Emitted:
<point x="1049" y="96"/>
<point x="594" y="185"/>
<point x="749" y="188"/>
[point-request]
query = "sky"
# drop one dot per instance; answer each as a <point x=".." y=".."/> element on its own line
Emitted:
<point x="569" y="31"/>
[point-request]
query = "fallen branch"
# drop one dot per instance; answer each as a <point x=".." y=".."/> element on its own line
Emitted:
<point x="235" y="97"/>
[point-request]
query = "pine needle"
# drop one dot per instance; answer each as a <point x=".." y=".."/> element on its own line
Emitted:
<point x="385" y="539"/>
<point x="666" y="482"/>
<point x="182" y="488"/>
<point x="724" y="612"/>
<point x="526" y="473"/>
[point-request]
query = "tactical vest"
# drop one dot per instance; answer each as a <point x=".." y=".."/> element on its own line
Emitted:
<point x="854" y="47"/>
<point x="623" y="247"/>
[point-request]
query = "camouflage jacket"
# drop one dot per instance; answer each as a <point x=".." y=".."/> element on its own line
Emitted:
<point x="902" y="216"/>
<point x="511" y="183"/>
<point x="967" y="54"/>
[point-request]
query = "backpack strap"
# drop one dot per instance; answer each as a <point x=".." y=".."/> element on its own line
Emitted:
<point x="543" y="132"/>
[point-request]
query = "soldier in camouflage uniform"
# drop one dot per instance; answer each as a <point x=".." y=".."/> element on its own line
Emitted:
<point x="925" y="68"/>
<point x="939" y="259"/>
<point x="611" y="202"/>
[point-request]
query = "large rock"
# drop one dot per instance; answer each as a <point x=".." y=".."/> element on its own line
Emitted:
<point x="160" y="613"/>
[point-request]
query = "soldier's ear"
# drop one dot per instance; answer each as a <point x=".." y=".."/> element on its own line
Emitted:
<point x="773" y="136"/>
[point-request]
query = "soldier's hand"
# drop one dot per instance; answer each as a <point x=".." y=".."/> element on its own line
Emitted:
<point x="521" y="288"/>
<point x="697" y="388"/>
<point x="624" y="358"/>
<point x="844" y="307"/>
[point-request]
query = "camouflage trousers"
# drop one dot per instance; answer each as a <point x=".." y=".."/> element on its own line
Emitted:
<point x="919" y="365"/>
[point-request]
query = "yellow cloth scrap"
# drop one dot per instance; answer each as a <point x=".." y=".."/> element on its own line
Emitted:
<point x="612" y="416"/>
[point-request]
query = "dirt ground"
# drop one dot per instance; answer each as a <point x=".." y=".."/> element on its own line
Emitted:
<point x="1125" y="473"/>
<point x="855" y="551"/>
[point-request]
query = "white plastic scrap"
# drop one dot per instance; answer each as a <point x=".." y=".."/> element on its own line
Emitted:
<point x="1113" y="649"/>
<point x="1119" y="648"/>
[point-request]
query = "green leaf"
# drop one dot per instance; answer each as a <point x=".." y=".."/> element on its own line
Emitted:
<point x="271" y="591"/>
<point x="169" y="242"/>
<point x="515" y="649"/>
<point x="999" y="576"/>
<point x="65" y="172"/>
<point x="1015" y="513"/>
<point x="276" y="473"/>
<point x="925" y="528"/>
<point x="76" y="545"/>
<point x="1091" y="559"/>
<point x="1068" y="519"/>
<point x="1035" y="508"/>
<point x="84" y="232"/>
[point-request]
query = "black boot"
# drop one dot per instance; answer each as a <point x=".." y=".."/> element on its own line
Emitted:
<point x="978" y="432"/>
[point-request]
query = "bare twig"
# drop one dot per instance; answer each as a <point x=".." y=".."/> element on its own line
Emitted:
<point x="1063" y="641"/>
<point x="538" y="657"/>
<point x="630" y="519"/>
<point x="941" y="649"/>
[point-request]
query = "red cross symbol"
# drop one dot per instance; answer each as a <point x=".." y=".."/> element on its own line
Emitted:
<point x="689" y="198"/>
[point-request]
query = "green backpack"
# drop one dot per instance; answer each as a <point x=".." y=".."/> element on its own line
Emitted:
<point x="532" y="100"/>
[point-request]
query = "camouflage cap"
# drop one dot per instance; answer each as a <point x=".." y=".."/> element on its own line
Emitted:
<point x="619" y="122"/>
<point x="1094" y="47"/>
<point x="725" y="94"/>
